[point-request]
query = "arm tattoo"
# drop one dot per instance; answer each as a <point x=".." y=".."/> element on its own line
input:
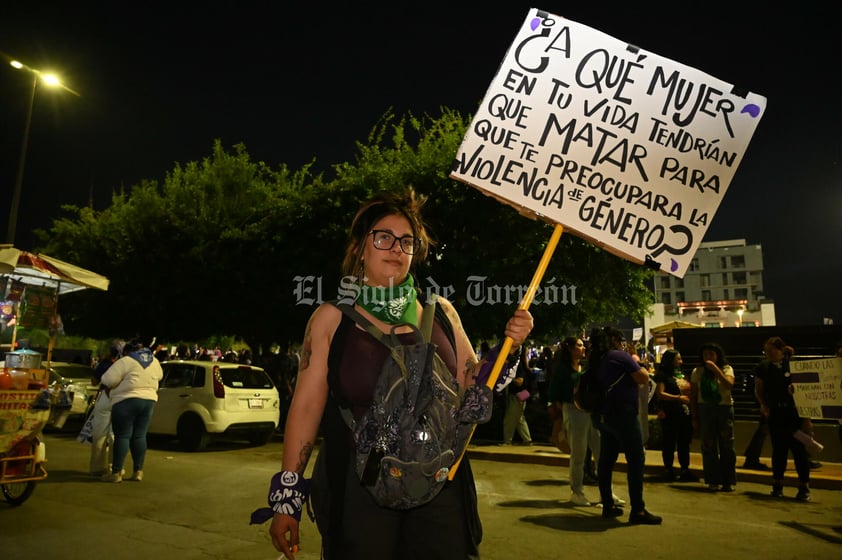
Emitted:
<point x="306" y="350"/>
<point x="471" y="368"/>
<point x="304" y="457"/>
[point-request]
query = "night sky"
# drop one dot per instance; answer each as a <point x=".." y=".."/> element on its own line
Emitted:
<point x="159" y="82"/>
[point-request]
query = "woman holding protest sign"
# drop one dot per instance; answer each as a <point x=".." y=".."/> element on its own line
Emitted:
<point x="340" y="362"/>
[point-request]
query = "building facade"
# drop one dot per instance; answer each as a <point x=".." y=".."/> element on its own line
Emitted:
<point x="723" y="287"/>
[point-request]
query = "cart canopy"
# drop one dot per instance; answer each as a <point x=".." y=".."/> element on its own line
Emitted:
<point x="41" y="270"/>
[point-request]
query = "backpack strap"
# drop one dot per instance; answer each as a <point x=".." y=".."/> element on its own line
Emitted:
<point x="430" y="309"/>
<point x="389" y="341"/>
<point x="362" y="321"/>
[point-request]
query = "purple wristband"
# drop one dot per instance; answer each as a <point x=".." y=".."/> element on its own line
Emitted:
<point x="287" y="494"/>
<point x="506" y="374"/>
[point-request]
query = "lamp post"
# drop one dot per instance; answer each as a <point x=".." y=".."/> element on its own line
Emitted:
<point x="52" y="81"/>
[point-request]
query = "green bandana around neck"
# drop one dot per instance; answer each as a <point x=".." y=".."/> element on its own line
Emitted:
<point x="709" y="389"/>
<point x="391" y="304"/>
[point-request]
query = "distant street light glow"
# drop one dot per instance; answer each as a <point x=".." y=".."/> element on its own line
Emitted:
<point x="50" y="80"/>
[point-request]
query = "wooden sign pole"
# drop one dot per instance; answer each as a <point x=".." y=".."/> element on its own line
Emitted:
<point x="507" y="343"/>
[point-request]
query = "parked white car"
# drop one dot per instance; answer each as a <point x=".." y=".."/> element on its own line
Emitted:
<point x="198" y="400"/>
<point x="77" y="379"/>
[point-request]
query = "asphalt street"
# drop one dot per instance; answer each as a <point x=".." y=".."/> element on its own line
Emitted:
<point x="196" y="506"/>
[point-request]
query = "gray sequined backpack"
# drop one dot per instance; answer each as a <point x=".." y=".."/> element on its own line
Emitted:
<point x="419" y="421"/>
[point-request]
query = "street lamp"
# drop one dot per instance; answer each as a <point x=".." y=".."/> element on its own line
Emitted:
<point x="50" y="80"/>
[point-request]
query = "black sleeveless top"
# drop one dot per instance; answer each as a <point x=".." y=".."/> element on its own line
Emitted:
<point x="356" y="359"/>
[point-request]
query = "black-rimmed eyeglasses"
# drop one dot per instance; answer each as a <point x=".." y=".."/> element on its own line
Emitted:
<point x="385" y="240"/>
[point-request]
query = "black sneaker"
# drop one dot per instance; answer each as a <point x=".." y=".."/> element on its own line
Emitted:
<point x="803" y="495"/>
<point x="644" y="518"/>
<point x="611" y="512"/>
<point x="726" y="488"/>
<point x="815" y="464"/>
<point x="777" y="491"/>
<point x="755" y="466"/>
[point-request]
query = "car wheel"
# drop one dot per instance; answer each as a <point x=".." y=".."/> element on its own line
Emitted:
<point x="261" y="438"/>
<point x="17" y="493"/>
<point x="191" y="433"/>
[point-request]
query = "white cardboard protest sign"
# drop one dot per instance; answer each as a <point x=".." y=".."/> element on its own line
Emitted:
<point x="622" y="147"/>
<point x="818" y="387"/>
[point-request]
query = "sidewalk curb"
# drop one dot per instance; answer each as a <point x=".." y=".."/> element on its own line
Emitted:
<point x="828" y="477"/>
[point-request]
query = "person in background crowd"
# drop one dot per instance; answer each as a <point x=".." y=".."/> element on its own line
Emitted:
<point x="647" y="391"/>
<point x="162" y="353"/>
<point x="755" y="447"/>
<point x="484" y="348"/>
<point x="102" y="437"/>
<point x="133" y="382"/>
<point x="182" y="352"/>
<point x="712" y="407"/>
<point x="387" y="237"/>
<point x="577" y="423"/>
<point x="673" y="393"/>
<point x="620" y="377"/>
<point x="773" y="389"/>
<point x="518" y="394"/>
<point x="283" y="367"/>
<point x="544" y="368"/>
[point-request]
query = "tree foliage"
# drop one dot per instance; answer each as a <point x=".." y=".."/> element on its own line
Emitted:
<point x="230" y="246"/>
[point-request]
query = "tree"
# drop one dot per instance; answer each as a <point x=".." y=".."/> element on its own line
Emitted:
<point x="230" y="246"/>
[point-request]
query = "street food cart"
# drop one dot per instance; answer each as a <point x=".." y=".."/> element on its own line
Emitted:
<point x="32" y="282"/>
<point x="23" y="414"/>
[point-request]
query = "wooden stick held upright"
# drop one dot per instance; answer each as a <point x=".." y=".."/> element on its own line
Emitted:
<point x="507" y="343"/>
